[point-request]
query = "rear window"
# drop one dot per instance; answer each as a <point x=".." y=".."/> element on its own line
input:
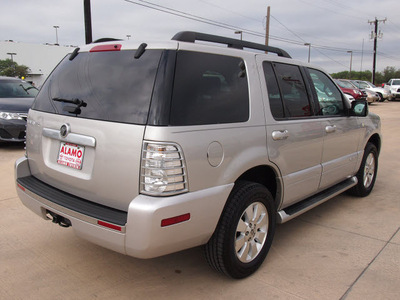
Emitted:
<point x="109" y="86"/>
<point x="209" y="89"/>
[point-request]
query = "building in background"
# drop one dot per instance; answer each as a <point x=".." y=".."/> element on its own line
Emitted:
<point x="40" y="59"/>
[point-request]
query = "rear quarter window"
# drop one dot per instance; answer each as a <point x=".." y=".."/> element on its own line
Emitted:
<point x="209" y="89"/>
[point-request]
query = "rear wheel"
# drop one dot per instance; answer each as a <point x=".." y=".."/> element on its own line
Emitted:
<point x="366" y="175"/>
<point x="245" y="231"/>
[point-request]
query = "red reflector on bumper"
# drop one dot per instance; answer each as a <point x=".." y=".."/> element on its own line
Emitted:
<point x="108" y="225"/>
<point x="175" y="220"/>
<point x="21" y="187"/>
<point x="104" y="48"/>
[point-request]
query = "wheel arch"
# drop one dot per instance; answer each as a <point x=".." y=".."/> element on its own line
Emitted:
<point x="266" y="176"/>
<point x="376" y="140"/>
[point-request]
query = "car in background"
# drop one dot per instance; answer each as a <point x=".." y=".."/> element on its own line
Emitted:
<point x="366" y="85"/>
<point x="348" y="88"/>
<point x="366" y="94"/>
<point x="393" y="88"/>
<point x="16" y="98"/>
<point x="371" y="96"/>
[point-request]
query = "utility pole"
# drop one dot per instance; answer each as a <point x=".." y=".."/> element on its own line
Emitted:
<point x="88" y="21"/>
<point x="267" y="26"/>
<point x="351" y="61"/>
<point x="375" y="36"/>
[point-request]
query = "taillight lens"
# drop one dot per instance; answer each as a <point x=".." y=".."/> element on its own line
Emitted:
<point x="163" y="170"/>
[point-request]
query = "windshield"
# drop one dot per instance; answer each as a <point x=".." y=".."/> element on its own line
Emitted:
<point x="396" y="82"/>
<point x="362" y="85"/>
<point x="345" y="84"/>
<point x="17" y="89"/>
<point x="370" y="84"/>
<point x="109" y="86"/>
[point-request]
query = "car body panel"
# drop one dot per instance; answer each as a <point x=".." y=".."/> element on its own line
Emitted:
<point x="96" y="181"/>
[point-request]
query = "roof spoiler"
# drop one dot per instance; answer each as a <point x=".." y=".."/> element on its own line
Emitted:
<point x="191" y="37"/>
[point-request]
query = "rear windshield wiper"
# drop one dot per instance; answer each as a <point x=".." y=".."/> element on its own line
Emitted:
<point x="72" y="109"/>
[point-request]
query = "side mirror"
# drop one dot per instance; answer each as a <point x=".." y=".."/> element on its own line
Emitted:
<point x="359" y="108"/>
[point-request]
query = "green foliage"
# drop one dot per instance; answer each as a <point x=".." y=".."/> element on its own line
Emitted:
<point x="12" y="69"/>
<point x="380" y="77"/>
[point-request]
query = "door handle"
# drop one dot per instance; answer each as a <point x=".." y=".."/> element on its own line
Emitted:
<point x="280" y="135"/>
<point x="330" y="128"/>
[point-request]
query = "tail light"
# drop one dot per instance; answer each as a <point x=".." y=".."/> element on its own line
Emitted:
<point x="163" y="170"/>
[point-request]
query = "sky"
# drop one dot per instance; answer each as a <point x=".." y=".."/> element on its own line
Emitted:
<point x="332" y="27"/>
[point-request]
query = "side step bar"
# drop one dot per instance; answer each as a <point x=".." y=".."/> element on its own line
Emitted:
<point x="299" y="208"/>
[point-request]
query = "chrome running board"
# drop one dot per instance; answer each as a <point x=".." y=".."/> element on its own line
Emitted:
<point x="301" y="207"/>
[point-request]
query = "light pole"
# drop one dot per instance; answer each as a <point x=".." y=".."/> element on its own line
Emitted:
<point x="241" y="34"/>
<point x="309" y="50"/>
<point x="351" y="61"/>
<point x="12" y="56"/>
<point x="56" y="27"/>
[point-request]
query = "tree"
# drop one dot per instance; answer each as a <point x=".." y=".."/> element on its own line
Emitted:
<point x="390" y="72"/>
<point x="12" y="69"/>
<point x="380" y="77"/>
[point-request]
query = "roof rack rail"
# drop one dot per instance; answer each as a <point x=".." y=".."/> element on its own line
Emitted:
<point x="192" y="36"/>
<point x="102" y="40"/>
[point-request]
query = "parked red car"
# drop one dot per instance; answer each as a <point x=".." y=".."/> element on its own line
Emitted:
<point x="348" y="88"/>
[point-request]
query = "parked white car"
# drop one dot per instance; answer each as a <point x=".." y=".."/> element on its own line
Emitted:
<point x="382" y="93"/>
<point x="393" y="88"/>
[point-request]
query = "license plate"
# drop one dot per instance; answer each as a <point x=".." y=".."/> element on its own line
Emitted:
<point x="71" y="155"/>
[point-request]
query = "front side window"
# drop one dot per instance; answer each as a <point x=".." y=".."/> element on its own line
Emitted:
<point x="329" y="97"/>
<point x="209" y="89"/>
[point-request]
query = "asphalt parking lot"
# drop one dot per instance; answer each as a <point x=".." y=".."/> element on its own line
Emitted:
<point x="347" y="248"/>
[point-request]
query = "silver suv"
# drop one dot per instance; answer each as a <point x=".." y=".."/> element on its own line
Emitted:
<point x="152" y="149"/>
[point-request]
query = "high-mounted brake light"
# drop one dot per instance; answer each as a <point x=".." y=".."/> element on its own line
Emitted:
<point x="105" y="48"/>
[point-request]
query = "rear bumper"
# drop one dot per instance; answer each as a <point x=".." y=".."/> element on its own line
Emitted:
<point x="138" y="231"/>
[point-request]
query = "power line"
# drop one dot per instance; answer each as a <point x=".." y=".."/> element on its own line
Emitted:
<point x="206" y="20"/>
<point x="193" y="17"/>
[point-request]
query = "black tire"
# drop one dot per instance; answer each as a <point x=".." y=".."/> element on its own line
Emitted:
<point x="246" y="200"/>
<point x="366" y="175"/>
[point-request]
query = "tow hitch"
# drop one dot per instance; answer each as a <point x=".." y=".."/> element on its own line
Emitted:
<point x="57" y="219"/>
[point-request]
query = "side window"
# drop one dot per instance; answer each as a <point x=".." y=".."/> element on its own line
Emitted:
<point x="329" y="97"/>
<point x="274" y="95"/>
<point x="209" y="89"/>
<point x="293" y="91"/>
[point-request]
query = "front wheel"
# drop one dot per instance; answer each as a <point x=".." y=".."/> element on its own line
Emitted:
<point x="366" y="175"/>
<point x="244" y="233"/>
